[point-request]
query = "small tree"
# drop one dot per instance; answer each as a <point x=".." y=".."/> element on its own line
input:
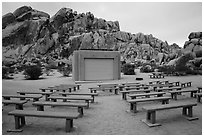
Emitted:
<point x="5" y="71"/>
<point x="33" y="72"/>
<point x="128" y="69"/>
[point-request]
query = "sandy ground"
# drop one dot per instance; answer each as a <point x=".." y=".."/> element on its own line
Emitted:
<point x="107" y="116"/>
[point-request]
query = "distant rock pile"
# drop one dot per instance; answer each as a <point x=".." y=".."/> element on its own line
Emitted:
<point x="194" y="44"/>
<point x="28" y="33"/>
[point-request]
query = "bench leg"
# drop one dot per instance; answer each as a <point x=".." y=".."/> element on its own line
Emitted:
<point x="18" y="106"/>
<point x="184" y="112"/>
<point x="116" y="91"/>
<point x="40" y="108"/>
<point x="35" y="99"/>
<point x="22" y="120"/>
<point x="17" y="122"/>
<point x="87" y="101"/>
<point x="22" y="98"/>
<point x="192" y="94"/>
<point x="124" y="96"/>
<point x="74" y="88"/>
<point x="81" y="112"/>
<point x="148" y="116"/>
<point x="92" y="101"/>
<point x="152" y="117"/>
<point x="133" y="107"/>
<point x="78" y="87"/>
<point x="46" y="97"/>
<point x="69" y="125"/>
<point x="70" y="90"/>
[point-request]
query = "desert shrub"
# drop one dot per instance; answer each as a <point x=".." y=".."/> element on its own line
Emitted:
<point x="5" y="71"/>
<point x="65" y="70"/>
<point x="128" y="69"/>
<point x="181" y="62"/>
<point x="147" y="69"/>
<point x="166" y="69"/>
<point x="33" y="72"/>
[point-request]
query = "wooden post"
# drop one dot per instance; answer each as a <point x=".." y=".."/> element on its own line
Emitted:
<point x="134" y="107"/>
<point x="22" y="120"/>
<point x="153" y="117"/>
<point x="92" y="101"/>
<point x="17" y="122"/>
<point x="19" y="106"/>
<point x="184" y="112"/>
<point x="87" y="101"/>
<point x="80" y="110"/>
<point x="68" y="125"/>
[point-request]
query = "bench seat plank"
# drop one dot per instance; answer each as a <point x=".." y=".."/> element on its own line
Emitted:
<point x="133" y="102"/>
<point x="19" y="116"/>
<point x="125" y="92"/>
<point x="40" y="105"/>
<point x="146" y="94"/>
<point x="147" y="99"/>
<point x="174" y="93"/>
<point x="49" y="114"/>
<point x="18" y="103"/>
<point x="151" y="112"/>
<point x="22" y="97"/>
<point x="168" y="106"/>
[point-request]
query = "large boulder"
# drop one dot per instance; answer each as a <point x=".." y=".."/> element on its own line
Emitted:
<point x="7" y="19"/>
<point x="193" y="35"/>
<point x="22" y="10"/>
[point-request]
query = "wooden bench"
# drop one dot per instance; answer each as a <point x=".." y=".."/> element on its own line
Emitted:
<point x="137" y="88"/>
<point x="95" y="89"/>
<point x="125" y="92"/>
<point x="168" y="89"/>
<point x="186" y="84"/>
<point x="22" y="97"/>
<point x="199" y="96"/>
<point x="40" y="105"/>
<point x="199" y="89"/>
<point x="18" y="103"/>
<point x="175" y="83"/>
<point x="80" y="94"/>
<point x="156" y="76"/>
<point x="19" y="116"/>
<point x="74" y="86"/>
<point x="47" y="94"/>
<point x="133" y="102"/>
<point x="151" y="112"/>
<point x="161" y="86"/>
<point x="86" y="99"/>
<point x="174" y="93"/>
<point x="159" y="94"/>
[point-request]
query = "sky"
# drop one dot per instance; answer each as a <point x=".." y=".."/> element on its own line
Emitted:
<point x="167" y="21"/>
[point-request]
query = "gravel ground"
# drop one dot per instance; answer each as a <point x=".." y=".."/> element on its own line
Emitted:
<point x="107" y="116"/>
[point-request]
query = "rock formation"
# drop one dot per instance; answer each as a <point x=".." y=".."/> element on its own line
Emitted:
<point x="28" y="33"/>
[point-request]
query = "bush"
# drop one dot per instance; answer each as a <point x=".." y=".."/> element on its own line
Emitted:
<point x="5" y="71"/>
<point x="166" y="69"/>
<point x="65" y="70"/>
<point x="146" y="69"/>
<point x="181" y="62"/>
<point x="33" y="72"/>
<point x="128" y="69"/>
